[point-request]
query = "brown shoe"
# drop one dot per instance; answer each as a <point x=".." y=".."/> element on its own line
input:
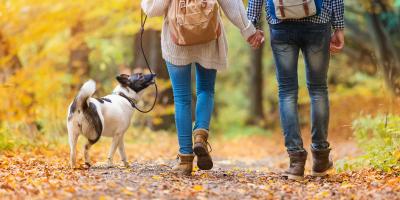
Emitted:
<point x="184" y="166"/>
<point x="321" y="162"/>
<point x="204" y="161"/>
<point x="296" y="167"/>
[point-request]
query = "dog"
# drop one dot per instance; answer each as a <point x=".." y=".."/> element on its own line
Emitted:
<point x="109" y="116"/>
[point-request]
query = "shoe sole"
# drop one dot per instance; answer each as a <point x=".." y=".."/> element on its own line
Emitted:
<point x="321" y="174"/>
<point x="204" y="161"/>
<point x="294" y="177"/>
<point x="182" y="173"/>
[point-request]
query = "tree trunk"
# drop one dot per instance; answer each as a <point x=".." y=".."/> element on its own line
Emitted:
<point x="9" y="62"/>
<point x="256" y="86"/>
<point x="79" y="56"/>
<point x="385" y="52"/>
<point x="9" y="65"/>
<point x="152" y="50"/>
<point x="377" y="41"/>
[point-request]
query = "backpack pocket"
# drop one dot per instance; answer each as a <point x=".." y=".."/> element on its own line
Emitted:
<point x="294" y="9"/>
<point x="194" y="22"/>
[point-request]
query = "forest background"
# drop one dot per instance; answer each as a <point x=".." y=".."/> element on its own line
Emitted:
<point x="48" y="48"/>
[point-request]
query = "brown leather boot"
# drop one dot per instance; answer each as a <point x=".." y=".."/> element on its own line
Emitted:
<point x="296" y="167"/>
<point x="321" y="162"/>
<point x="204" y="160"/>
<point x="184" y="166"/>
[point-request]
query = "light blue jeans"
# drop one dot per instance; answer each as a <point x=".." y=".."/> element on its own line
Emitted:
<point x="181" y="78"/>
<point x="287" y="40"/>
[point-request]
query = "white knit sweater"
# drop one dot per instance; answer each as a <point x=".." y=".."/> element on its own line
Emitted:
<point x="212" y="55"/>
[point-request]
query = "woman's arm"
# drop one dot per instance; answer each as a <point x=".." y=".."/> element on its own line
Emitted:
<point x="154" y="8"/>
<point x="236" y="13"/>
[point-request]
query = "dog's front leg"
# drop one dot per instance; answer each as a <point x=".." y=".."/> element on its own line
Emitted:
<point x="122" y="153"/>
<point x="114" y="145"/>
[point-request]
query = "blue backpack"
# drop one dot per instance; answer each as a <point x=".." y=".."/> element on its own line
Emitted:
<point x="294" y="9"/>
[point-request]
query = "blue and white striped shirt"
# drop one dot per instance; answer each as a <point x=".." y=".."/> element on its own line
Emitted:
<point x="332" y="11"/>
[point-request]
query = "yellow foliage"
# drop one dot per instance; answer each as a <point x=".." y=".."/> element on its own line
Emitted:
<point x="38" y="33"/>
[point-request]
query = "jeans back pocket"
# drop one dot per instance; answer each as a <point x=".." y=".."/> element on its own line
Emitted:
<point x="317" y="40"/>
<point x="280" y="40"/>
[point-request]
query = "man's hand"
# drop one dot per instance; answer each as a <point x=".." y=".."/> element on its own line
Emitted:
<point x="256" y="40"/>
<point x="337" y="41"/>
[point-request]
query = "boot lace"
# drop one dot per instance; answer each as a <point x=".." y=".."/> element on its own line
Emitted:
<point x="209" y="145"/>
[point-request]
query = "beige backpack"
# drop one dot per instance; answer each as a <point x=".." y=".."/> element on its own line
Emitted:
<point x="193" y="22"/>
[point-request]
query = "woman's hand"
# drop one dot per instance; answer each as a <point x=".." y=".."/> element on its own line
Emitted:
<point x="154" y="8"/>
<point x="256" y="40"/>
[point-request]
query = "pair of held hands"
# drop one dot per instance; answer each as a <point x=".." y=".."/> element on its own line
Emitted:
<point x="336" y="44"/>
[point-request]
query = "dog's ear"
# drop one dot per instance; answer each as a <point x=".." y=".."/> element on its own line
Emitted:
<point x="123" y="79"/>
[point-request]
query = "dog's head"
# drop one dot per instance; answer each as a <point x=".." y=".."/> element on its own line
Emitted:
<point x="136" y="82"/>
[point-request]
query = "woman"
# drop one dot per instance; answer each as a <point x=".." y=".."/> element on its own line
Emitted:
<point x="208" y="58"/>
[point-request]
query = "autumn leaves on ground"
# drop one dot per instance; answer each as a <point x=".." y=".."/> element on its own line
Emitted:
<point x="48" y="48"/>
<point x="246" y="167"/>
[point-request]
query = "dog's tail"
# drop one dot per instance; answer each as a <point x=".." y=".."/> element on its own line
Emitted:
<point x="86" y="91"/>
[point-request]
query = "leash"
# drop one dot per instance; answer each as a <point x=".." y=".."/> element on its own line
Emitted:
<point x="143" y="19"/>
<point x="131" y="101"/>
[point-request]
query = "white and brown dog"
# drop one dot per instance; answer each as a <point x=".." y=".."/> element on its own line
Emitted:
<point x="108" y="116"/>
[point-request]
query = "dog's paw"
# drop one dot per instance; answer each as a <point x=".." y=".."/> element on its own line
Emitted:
<point x="103" y="165"/>
<point x="108" y="166"/>
<point x="72" y="166"/>
<point x="126" y="164"/>
<point x="87" y="165"/>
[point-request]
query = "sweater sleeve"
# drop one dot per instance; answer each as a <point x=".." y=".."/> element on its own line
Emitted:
<point x="236" y="13"/>
<point x="154" y="8"/>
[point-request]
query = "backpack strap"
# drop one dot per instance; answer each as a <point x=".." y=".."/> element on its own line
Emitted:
<point x="204" y="3"/>
<point x="306" y="8"/>
<point x="282" y="8"/>
<point x="182" y="6"/>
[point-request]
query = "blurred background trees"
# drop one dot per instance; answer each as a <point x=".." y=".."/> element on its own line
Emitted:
<point x="48" y="48"/>
<point x="373" y="35"/>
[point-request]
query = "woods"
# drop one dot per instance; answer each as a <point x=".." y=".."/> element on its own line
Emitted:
<point x="49" y="48"/>
<point x="380" y="27"/>
<point x="372" y="30"/>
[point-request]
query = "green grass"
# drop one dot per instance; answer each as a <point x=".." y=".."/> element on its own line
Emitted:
<point x="379" y="138"/>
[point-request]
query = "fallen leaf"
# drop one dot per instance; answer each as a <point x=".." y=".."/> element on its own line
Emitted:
<point x="155" y="177"/>
<point x="198" y="188"/>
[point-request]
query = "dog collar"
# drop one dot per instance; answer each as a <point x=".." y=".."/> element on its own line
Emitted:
<point x="131" y="101"/>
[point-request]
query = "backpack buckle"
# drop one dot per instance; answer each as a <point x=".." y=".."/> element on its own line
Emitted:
<point x="204" y="3"/>
<point x="182" y="4"/>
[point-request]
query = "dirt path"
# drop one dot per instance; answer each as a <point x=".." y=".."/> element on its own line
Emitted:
<point x="42" y="174"/>
<point x="245" y="168"/>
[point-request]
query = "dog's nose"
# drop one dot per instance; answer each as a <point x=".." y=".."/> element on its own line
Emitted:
<point x="152" y="76"/>
<point x="149" y="77"/>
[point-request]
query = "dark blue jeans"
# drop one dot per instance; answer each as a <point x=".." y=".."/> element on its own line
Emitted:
<point x="287" y="40"/>
<point x="181" y="79"/>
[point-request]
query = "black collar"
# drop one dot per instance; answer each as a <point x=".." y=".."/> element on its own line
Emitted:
<point x="131" y="101"/>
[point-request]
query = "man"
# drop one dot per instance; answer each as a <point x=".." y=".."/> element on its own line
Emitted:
<point x="313" y="37"/>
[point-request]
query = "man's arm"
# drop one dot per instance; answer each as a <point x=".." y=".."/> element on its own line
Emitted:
<point x="338" y="14"/>
<point x="254" y="11"/>
<point x="337" y="40"/>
